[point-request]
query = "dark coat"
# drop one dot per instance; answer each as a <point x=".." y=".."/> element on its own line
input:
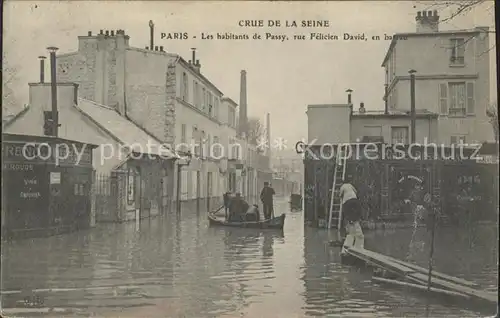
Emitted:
<point x="238" y="208"/>
<point x="266" y="195"/>
<point x="226" y="198"/>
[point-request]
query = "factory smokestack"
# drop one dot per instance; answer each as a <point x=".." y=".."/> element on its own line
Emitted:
<point x="243" y="104"/>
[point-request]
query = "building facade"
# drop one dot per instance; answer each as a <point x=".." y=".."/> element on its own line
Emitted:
<point x="172" y="100"/>
<point x="351" y="126"/>
<point x="133" y="171"/>
<point x="452" y="77"/>
<point x="452" y="89"/>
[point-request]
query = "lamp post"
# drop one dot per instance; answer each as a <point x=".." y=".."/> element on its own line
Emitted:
<point x="187" y="161"/>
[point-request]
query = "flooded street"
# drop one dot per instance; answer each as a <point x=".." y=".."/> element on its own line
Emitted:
<point x="168" y="267"/>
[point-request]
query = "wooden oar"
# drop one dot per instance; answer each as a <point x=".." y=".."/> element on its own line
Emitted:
<point x="213" y="212"/>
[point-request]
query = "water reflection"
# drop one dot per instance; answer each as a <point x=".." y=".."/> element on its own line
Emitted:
<point x="181" y="267"/>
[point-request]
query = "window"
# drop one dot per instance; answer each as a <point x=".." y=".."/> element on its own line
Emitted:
<point x="202" y="143"/>
<point x="456" y="99"/>
<point x="216" y="107"/>
<point x="460" y="139"/>
<point x="185" y="88"/>
<point x="217" y="147"/>
<point x="183" y="133"/>
<point x="47" y="126"/>
<point x="443" y="99"/>
<point x="232" y="117"/>
<point x="203" y="99"/>
<point x="399" y="135"/>
<point x="210" y="104"/>
<point x="209" y="146"/>
<point x="196" y="94"/>
<point x="374" y="131"/>
<point x="457" y="51"/>
<point x="195" y="141"/>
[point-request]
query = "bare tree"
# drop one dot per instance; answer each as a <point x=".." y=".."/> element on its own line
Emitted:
<point x="458" y="8"/>
<point x="492" y="113"/>
<point x="9" y="73"/>
<point x="256" y="131"/>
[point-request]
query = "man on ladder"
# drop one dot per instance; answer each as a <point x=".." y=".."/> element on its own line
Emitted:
<point x="351" y="208"/>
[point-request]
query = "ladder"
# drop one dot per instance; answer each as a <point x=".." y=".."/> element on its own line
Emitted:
<point x="338" y="175"/>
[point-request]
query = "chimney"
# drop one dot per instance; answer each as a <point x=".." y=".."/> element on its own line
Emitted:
<point x="349" y="96"/>
<point x="42" y="68"/>
<point x="362" y="109"/>
<point x="101" y="32"/>
<point x="349" y="99"/>
<point x="90" y="33"/>
<point x="53" y="85"/>
<point x="112" y="33"/>
<point x="243" y="104"/>
<point x="427" y="21"/>
<point x="161" y="49"/>
<point x="193" y="60"/>
<point x="107" y="33"/>
<point x="156" y="47"/>
<point x="151" y="34"/>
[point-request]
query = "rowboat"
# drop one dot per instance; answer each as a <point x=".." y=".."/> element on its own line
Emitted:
<point x="273" y="223"/>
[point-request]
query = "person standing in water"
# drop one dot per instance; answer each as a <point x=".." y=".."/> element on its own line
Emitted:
<point x="351" y="208"/>
<point x="266" y="196"/>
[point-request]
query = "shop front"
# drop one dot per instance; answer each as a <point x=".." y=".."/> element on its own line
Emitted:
<point x="46" y="185"/>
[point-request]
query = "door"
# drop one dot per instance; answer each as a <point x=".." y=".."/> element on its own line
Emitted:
<point x="138" y="194"/>
<point x="209" y="189"/>
<point x="164" y="192"/>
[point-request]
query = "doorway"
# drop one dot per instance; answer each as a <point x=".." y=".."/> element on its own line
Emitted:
<point x="164" y="192"/>
<point x="209" y="189"/>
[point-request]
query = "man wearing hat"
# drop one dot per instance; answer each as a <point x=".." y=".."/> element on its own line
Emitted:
<point x="266" y="196"/>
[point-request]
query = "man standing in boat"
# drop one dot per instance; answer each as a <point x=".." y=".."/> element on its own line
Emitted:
<point x="227" y="199"/>
<point x="266" y="196"/>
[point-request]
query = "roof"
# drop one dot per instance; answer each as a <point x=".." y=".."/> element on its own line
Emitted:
<point x="225" y="98"/>
<point x="123" y="130"/>
<point x="17" y="138"/>
<point x="12" y="118"/>
<point x="394" y="113"/>
<point x="416" y="34"/>
<point x="327" y="105"/>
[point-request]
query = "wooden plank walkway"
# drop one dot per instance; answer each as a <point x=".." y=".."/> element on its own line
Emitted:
<point x="354" y="246"/>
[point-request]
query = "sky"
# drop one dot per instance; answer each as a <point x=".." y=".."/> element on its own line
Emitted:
<point x="282" y="77"/>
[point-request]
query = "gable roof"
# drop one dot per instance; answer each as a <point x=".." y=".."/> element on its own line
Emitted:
<point x="123" y="130"/>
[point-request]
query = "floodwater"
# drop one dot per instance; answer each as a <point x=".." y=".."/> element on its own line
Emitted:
<point x="180" y="267"/>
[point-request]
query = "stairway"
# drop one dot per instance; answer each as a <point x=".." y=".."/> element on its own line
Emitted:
<point x="335" y="214"/>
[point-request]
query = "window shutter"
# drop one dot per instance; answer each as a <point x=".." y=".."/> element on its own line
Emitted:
<point x="453" y="140"/>
<point x="470" y="99"/>
<point x="443" y="99"/>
